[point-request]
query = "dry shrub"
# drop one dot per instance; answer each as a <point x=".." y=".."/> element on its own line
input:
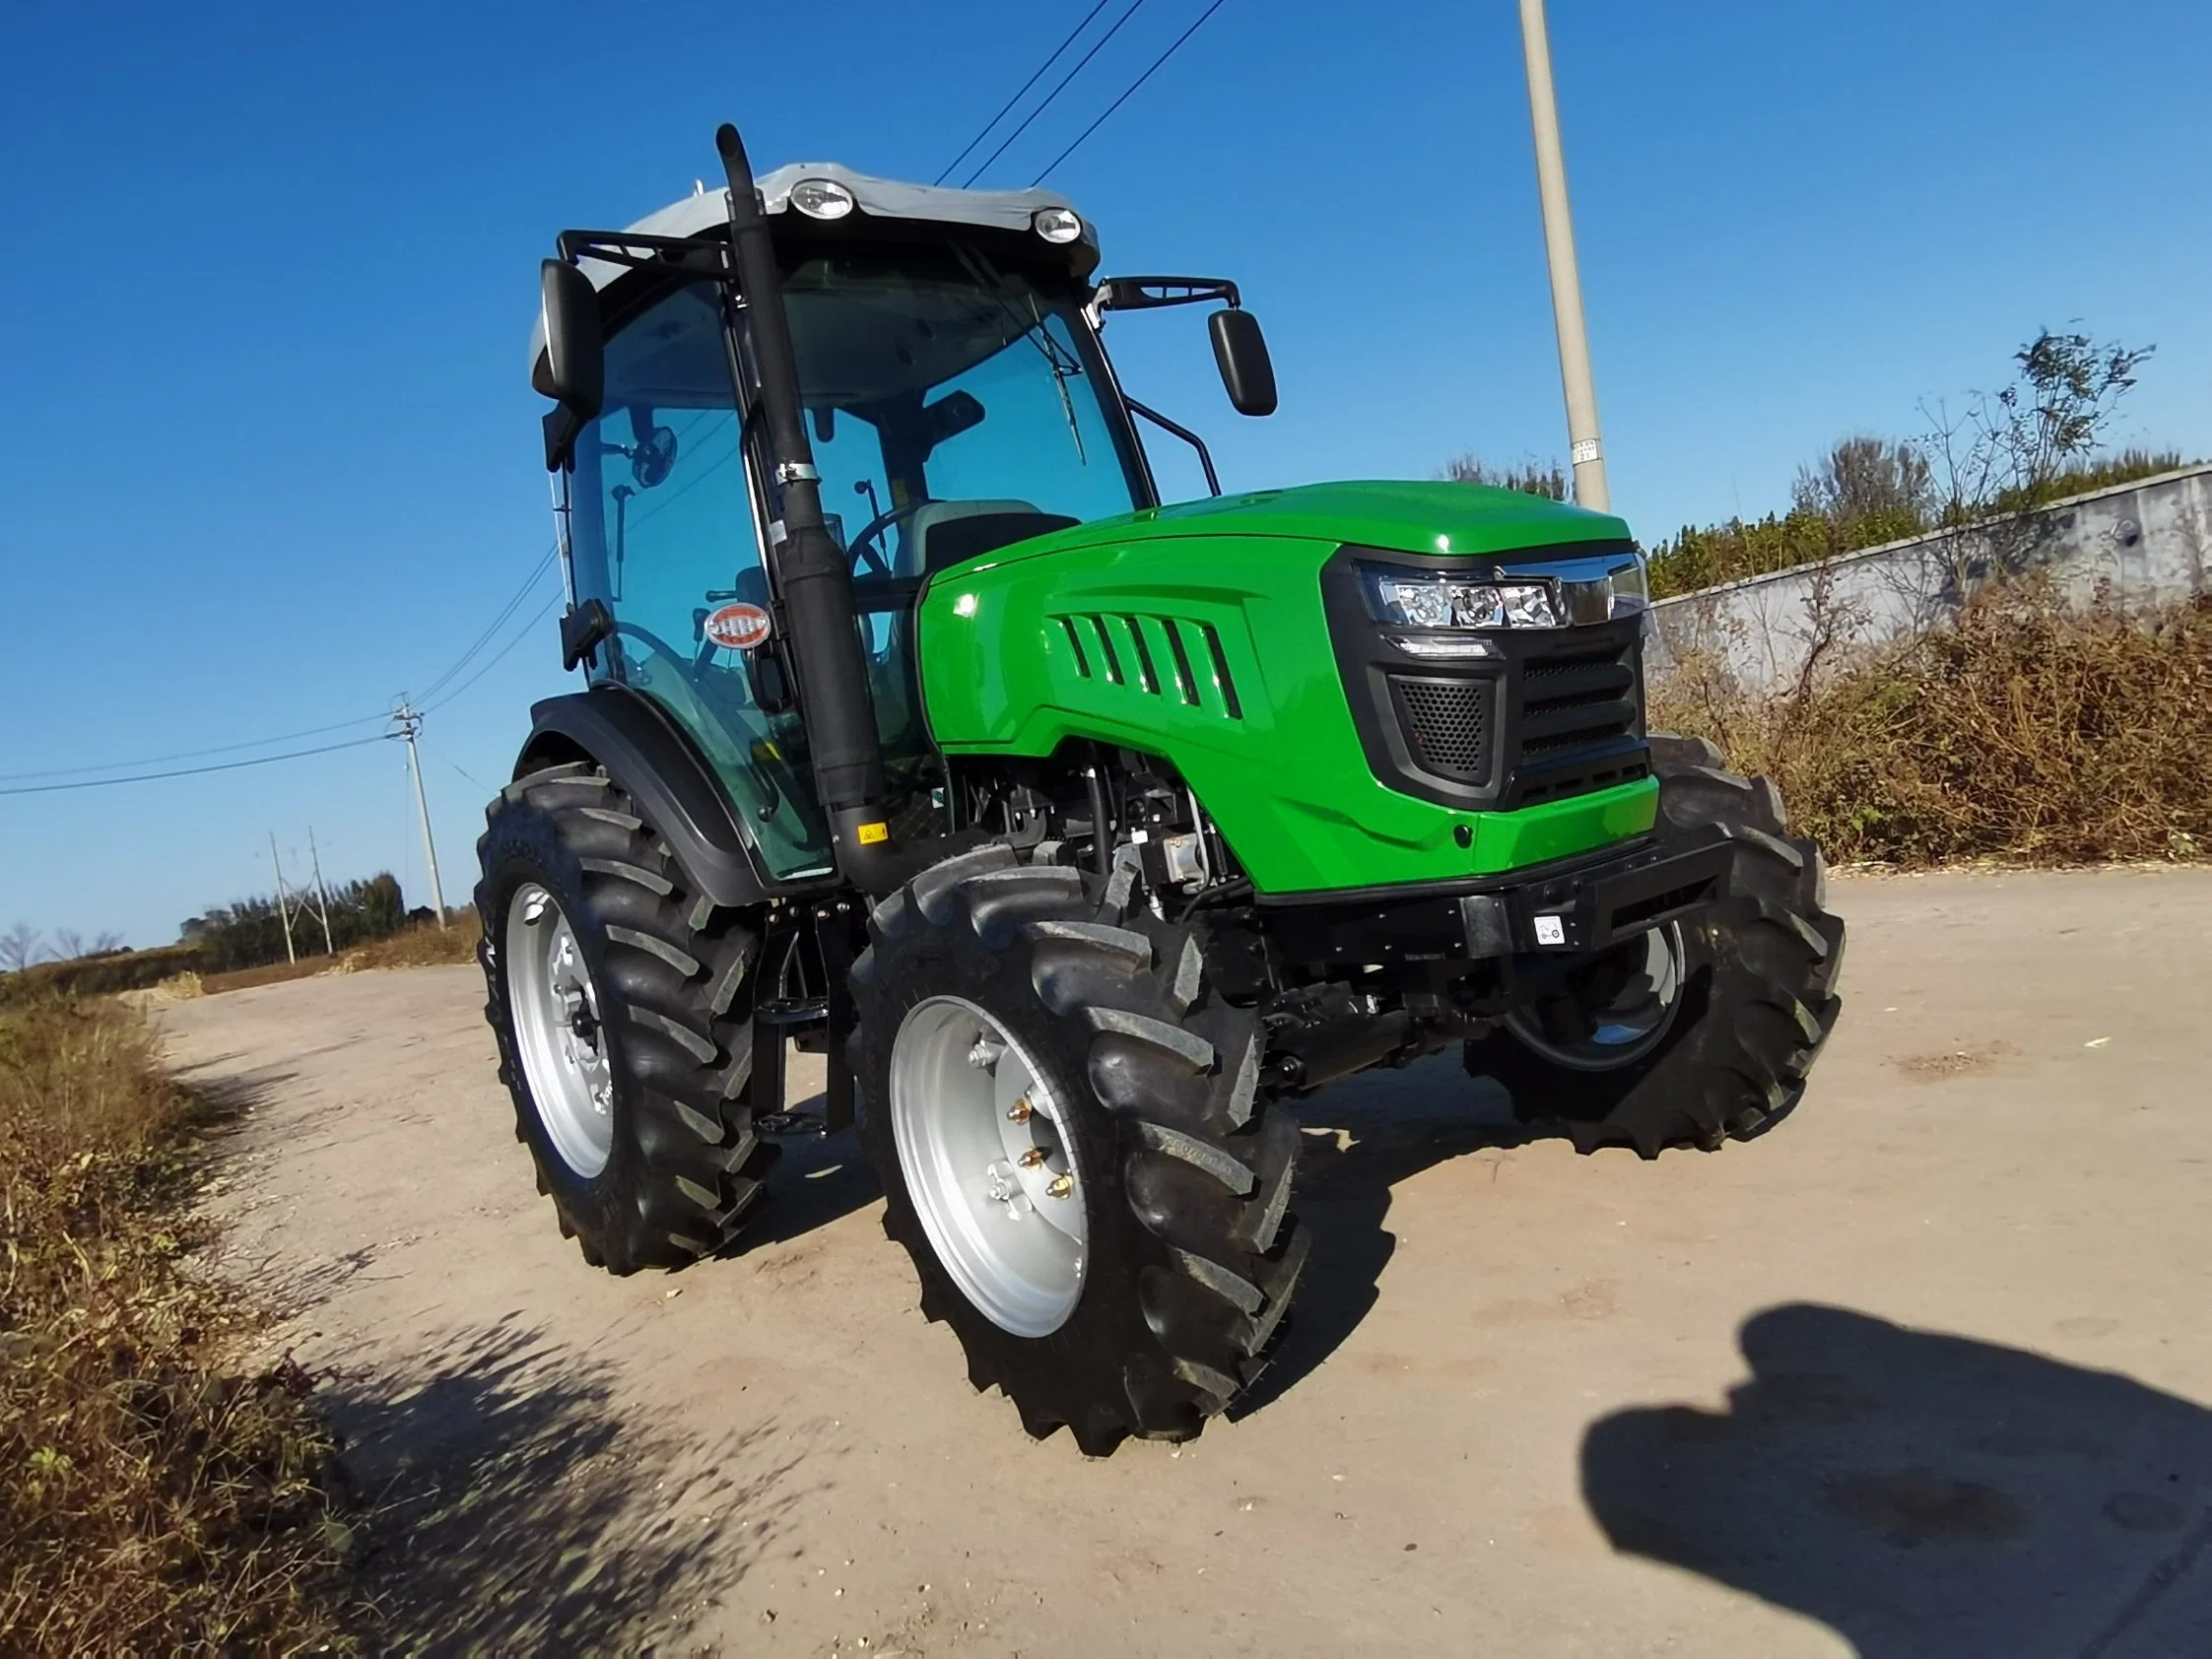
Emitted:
<point x="424" y="945"/>
<point x="152" y="1501"/>
<point x="125" y="970"/>
<point x="2032" y="730"/>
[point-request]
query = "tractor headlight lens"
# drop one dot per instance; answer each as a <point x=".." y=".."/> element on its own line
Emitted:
<point x="821" y="198"/>
<point x="1632" y="589"/>
<point x="1056" y="224"/>
<point x="1425" y="601"/>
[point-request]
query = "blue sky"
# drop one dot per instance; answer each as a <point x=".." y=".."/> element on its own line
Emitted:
<point x="267" y="454"/>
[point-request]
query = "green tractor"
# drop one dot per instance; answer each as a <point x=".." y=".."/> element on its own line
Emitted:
<point x="1081" y="834"/>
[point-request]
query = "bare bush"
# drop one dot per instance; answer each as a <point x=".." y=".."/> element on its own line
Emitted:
<point x="2030" y="730"/>
<point x="19" y="947"/>
<point x="1865" y="479"/>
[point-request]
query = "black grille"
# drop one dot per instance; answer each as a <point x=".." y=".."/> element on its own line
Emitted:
<point x="1447" y="724"/>
<point x="1541" y="715"/>
<point x="1576" y="708"/>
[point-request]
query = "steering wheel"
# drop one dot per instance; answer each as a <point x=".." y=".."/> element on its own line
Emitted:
<point x="687" y="665"/>
<point x="872" y="557"/>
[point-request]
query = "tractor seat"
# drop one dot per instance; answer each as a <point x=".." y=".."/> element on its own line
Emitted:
<point x="943" y="533"/>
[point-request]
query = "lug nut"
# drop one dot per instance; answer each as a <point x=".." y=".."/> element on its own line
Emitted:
<point x="1032" y="1157"/>
<point x="1059" y="1186"/>
<point x="1020" y="1111"/>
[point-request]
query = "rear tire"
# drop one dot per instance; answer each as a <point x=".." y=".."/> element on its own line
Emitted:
<point x="658" y="1164"/>
<point x="1757" y="994"/>
<point x="1187" y="1254"/>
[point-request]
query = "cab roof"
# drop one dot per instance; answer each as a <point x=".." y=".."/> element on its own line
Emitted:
<point x="881" y="198"/>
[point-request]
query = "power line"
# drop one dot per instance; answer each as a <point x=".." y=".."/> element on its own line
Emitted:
<point x="1124" y="97"/>
<point x="1053" y="94"/>
<point x="1023" y="93"/>
<point x="440" y="754"/>
<point x="492" y="661"/>
<point x="537" y="572"/>
<point x="188" y="754"/>
<point x="193" y="772"/>
<point x="499" y="621"/>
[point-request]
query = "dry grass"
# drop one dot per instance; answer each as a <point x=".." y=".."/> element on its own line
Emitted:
<point x="426" y="944"/>
<point x="151" y="1498"/>
<point x="2033" y="731"/>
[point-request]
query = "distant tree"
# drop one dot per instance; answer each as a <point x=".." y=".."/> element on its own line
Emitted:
<point x="19" y="947"/>
<point x="1871" y="489"/>
<point x="1529" y="476"/>
<point x="250" y="931"/>
<point x="2010" y="449"/>
<point x="71" y="946"/>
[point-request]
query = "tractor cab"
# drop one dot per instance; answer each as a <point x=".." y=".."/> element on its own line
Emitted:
<point x="956" y="401"/>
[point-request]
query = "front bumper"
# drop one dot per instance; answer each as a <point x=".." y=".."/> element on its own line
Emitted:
<point x="1573" y="908"/>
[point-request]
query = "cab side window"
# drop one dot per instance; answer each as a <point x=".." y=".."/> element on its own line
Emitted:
<point x="663" y="534"/>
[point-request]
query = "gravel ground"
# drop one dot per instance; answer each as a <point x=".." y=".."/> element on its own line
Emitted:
<point x="1923" y="1372"/>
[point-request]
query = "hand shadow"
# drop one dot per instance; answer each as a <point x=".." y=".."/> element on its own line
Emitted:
<point x="1929" y="1497"/>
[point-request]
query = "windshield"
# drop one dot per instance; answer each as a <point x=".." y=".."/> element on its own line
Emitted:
<point x="954" y="407"/>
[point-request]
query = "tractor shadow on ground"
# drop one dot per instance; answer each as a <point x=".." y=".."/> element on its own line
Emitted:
<point x="1364" y="1137"/>
<point x="502" y="1502"/>
<point x="819" y="1179"/>
<point x="1926" y="1496"/>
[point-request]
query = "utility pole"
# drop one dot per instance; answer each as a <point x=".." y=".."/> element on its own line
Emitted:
<point x="409" y="723"/>
<point x="322" y="892"/>
<point x="283" y="914"/>
<point x="1566" y="283"/>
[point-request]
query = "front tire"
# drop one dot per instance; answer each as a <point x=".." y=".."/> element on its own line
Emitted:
<point x="622" y="1004"/>
<point x="1131" y="1276"/>
<point x="1750" y="982"/>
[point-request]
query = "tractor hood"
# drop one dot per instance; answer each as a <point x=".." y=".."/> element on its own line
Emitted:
<point x="1437" y="518"/>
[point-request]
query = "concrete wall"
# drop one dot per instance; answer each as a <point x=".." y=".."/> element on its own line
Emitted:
<point x="2149" y="542"/>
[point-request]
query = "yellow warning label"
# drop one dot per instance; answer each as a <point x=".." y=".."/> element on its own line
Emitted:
<point x="871" y="834"/>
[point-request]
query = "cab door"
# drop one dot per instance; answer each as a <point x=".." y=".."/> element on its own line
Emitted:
<point x="663" y="533"/>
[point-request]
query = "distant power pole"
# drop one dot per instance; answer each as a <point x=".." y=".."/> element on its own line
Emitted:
<point x="1589" y="450"/>
<point x="283" y="914"/>
<point x="322" y="892"/>
<point x="409" y="723"/>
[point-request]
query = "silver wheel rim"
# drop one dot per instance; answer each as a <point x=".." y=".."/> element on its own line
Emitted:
<point x="556" y="1012"/>
<point x="1629" y="1027"/>
<point x="989" y="1165"/>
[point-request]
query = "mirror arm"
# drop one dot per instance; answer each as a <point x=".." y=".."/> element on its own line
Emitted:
<point x="1205" y="457"/>
<point x="1149" y="294"/>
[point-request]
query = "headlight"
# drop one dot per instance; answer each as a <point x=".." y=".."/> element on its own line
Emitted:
<point x="1056" y="224"/>
<point x="1632" y="589"/>
<point x="1422" y="601"/>
<point x="1568" y="591"/>
<point x="821" y="198"/>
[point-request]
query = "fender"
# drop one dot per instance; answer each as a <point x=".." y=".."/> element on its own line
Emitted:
<point x="665" y="774"/>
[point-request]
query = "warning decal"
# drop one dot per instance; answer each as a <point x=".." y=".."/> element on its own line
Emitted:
<point x="738" y="628"/>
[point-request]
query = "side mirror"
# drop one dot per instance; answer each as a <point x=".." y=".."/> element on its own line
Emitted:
<point x="572" y="371"/>
<point x="1240" y="350"/>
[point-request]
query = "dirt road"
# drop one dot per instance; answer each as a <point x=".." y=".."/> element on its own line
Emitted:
<point x="1921" y="1373"/>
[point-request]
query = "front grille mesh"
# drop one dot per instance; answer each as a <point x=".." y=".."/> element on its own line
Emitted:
<point x="1564" y="736"/>
<point x="1448" y="725"/>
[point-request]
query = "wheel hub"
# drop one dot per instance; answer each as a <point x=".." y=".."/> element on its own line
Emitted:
<point x="554" y="1008"/>
<point x="989" y="1165"/>
<point x="1630" y="1023"/>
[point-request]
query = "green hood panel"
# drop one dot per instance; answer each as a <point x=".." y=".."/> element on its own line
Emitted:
<point x="1196" y="632"/>
<point x="1433" y="518"/>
